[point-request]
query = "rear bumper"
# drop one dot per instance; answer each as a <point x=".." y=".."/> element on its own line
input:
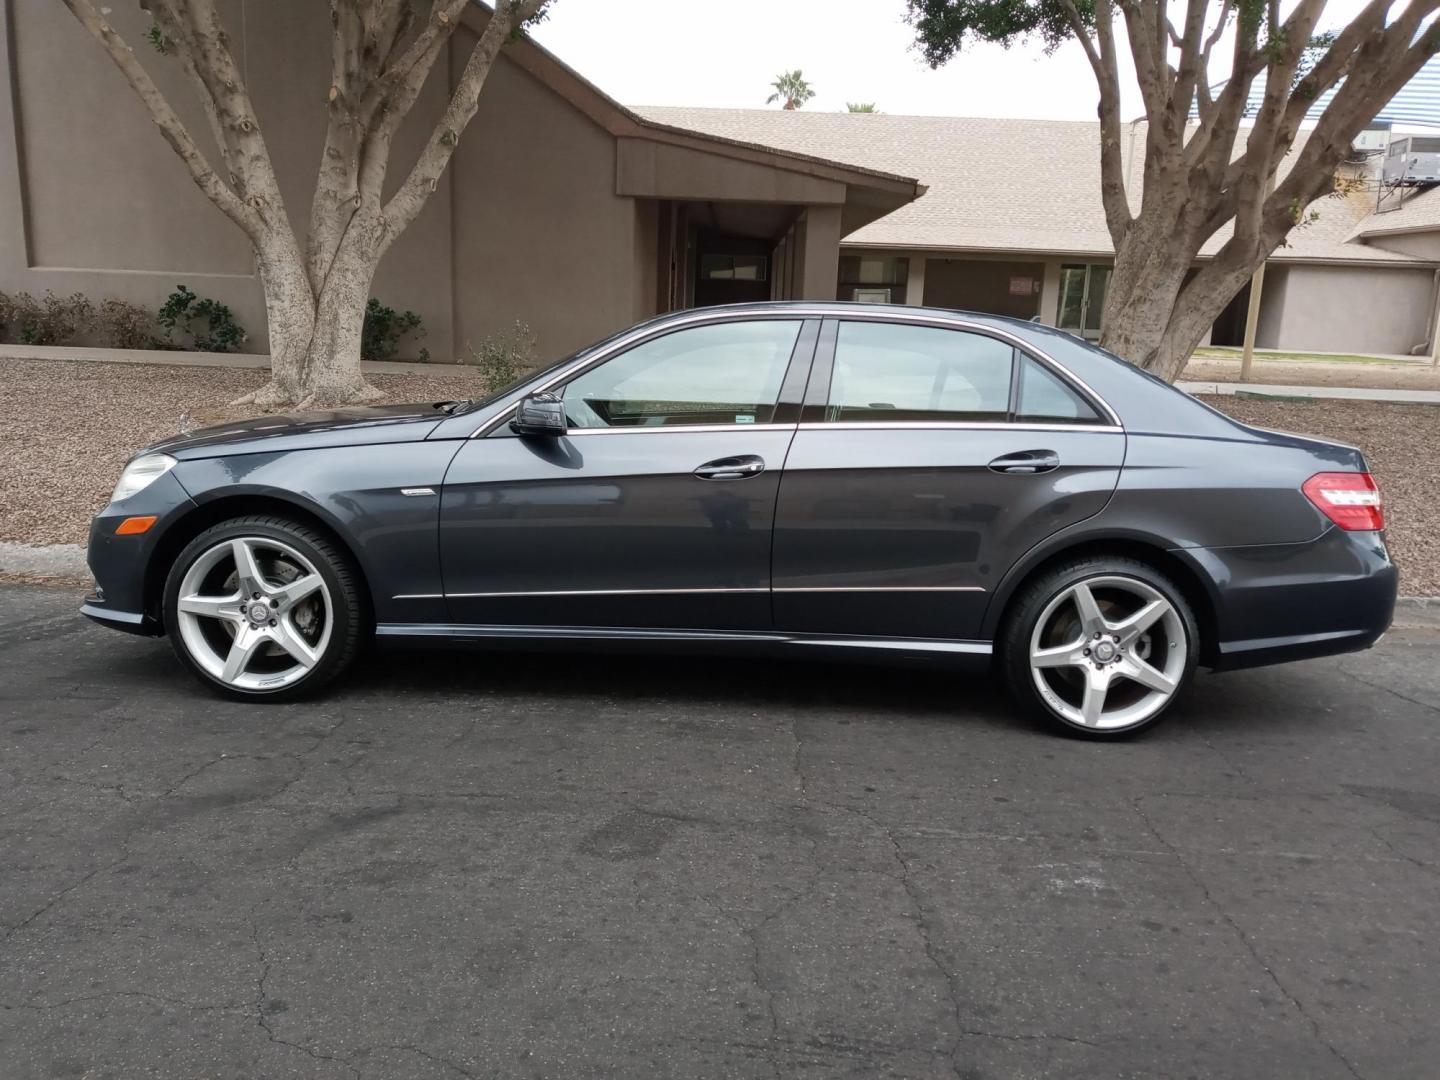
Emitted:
<point x="1281" y="602"/>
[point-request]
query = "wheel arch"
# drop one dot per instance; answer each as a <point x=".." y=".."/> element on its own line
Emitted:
<point x="240" y="504"/>
<point x="1196" y="586"/>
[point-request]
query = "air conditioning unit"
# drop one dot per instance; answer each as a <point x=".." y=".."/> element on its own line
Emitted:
<point x="1373" y="140"/>
<point x="1414" y="159"/>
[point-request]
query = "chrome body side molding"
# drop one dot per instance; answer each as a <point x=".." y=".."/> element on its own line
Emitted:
<point x="496" y="632"/>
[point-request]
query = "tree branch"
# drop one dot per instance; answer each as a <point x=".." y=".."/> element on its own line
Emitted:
<point x="171" y="128"/>
<point x="1103" y="61"/>
<point x="409" y="199"/>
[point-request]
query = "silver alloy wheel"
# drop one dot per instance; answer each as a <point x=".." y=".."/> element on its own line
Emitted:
<point x="1108" y="652"/>
<point x="254" y="613"/>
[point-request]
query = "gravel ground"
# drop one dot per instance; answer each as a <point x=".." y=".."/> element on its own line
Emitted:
<point x="1317" y="373"/>
<point x="69" y="428"/>
<point x="1398" y="441"/>
<point x="72" y="426"/>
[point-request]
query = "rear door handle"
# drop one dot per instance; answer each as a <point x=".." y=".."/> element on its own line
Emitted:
<point x="732" y="468"/>
<point x="1026" y="462"/>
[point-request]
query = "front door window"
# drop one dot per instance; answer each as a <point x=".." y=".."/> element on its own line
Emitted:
<point x="724" y="374"/>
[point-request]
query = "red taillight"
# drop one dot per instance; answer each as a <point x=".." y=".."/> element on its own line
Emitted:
<point x="1349" y="499"/>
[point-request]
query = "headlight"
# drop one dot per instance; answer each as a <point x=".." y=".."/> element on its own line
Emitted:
<point x="141" y="473"/>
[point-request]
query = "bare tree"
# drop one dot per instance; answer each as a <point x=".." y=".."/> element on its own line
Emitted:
<point x="381" y="54"/>
<point x="1207" y="176"/>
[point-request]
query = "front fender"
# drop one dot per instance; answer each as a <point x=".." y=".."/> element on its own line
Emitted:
<point x="359" y="493"/>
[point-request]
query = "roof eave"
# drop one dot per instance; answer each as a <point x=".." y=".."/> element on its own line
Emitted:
<point x="620" y="121"/>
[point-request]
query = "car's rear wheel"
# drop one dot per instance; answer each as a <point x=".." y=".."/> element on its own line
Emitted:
<point x="1101" y="646"/>
<point x="263" y="608"/>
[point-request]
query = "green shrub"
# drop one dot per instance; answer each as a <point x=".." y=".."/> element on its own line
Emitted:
<point x="384" y="328"/>
<point x="55" y="320"/>
<point x="209" y="324"/>
<point x="501" y="358"/>
<point x="13" y="309"/>
<point x="123" y="325"/>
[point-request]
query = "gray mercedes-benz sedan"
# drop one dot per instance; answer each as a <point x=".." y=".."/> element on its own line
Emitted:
<point x="823" y="478"/>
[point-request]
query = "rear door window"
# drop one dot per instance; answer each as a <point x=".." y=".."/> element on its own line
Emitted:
<point x="892" y="372"/>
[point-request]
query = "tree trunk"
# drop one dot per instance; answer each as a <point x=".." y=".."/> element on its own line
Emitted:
<point x="1158" y="328"/>
<point x="332" y="362"/>
<point x="315" y="341"/>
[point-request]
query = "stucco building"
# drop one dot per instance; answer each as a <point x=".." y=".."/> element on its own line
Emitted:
<point x="576" y="215"/>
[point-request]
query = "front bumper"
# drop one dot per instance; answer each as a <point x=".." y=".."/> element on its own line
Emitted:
<point x="122" y="565"/>
<point x="1281" y="602"/>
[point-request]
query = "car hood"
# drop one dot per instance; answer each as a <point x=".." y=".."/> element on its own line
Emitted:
<point x="285" y="431"/>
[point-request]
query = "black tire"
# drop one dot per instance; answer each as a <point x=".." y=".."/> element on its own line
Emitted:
<point x="347" y="614"/>
<point x="1113" y="576"/>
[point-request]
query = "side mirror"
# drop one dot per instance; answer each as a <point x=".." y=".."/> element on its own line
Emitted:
<point x="540" y="414"/>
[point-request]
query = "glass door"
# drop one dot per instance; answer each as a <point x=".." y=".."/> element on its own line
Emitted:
<point x="1082" y="299"/>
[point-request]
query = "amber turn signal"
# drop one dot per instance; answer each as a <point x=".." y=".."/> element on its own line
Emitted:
<point x="135" y="526"/>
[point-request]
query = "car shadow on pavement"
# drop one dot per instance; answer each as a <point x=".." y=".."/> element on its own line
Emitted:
<point x="742" y="682"/>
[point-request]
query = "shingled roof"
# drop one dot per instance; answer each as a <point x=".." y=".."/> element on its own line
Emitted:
<point x="1001" y="185"/>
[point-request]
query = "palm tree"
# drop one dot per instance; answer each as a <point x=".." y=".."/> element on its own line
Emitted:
<point x="855" y="106"/>
<point x="792" y="89"/>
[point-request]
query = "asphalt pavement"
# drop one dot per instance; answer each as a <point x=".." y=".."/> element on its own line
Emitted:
<point x="498" y="865"/>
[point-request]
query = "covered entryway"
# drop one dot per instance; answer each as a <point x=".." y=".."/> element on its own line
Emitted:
<point x="993" y="286"/>
<point x="736" y="223"/>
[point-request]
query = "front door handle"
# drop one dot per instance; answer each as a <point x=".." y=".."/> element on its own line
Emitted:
<point x="732" y="468"/>
<point x="1026" y="462"/>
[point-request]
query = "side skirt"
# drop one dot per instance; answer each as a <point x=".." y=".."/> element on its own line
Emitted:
<point x="942" y="650"/>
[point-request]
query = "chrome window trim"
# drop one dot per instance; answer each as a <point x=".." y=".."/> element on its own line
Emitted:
<point x="708" y="315"/>
<point x="674" y="428"/>
<point x="958" y="425"/>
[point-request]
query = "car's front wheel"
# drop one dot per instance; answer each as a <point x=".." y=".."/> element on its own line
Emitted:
<point x="1101" y="646"/>
<point x="263" y="608"/>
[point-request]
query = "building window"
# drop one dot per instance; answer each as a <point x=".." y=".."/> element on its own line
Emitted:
<point x="735" y="267"/>
<point x="873" y="279"/>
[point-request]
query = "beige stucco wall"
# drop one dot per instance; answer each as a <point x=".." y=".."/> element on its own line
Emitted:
<point x="524" y="225"/>
<point x="540" y="234"/>
<point x="1348" y="309"/>
<point x="1424" y="245"/>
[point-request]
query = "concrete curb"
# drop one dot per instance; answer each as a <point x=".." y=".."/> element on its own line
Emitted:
<point x="68" y="561"/>
<point x="166" y="358"/>
<point x="48" y="560"/>
<point x="1418" y="612"/>
<point x="1328" y="393"/>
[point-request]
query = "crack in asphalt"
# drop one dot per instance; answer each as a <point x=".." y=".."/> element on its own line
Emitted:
<point x="922" y="927"/>
<point x="1374" y="831"/>
<point x="63" y="893"/>
<point x="1244" y="939"/>
<point x="1388" y="689"/>
<point x="262" y="997"/>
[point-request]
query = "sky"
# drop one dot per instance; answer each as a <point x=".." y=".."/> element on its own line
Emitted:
<point x="726" y="55"/>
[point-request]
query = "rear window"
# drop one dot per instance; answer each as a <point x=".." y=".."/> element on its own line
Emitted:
<point x="1045" y="398"/>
